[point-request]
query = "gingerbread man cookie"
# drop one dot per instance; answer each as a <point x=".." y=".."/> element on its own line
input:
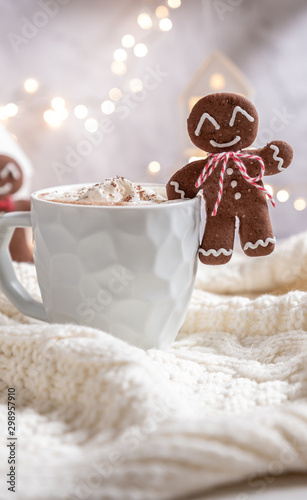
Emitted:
<point x="11" y="179"/>
<point x="223" y="125"/>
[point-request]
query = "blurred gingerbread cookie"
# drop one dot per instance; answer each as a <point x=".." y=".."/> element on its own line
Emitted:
<point x="231" y="177"/>
<point x="11" y="180"/>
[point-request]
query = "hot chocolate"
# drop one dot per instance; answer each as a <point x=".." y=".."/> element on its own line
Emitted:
<point x="114" y="191"/>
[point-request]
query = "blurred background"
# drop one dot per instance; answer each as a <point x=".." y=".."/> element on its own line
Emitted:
<point x="93" y="88"/>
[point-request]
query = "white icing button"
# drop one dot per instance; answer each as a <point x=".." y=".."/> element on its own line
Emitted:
<point x="233" y="184"/>
<point x="237" y="196"/>
<point x="229" y="171"/>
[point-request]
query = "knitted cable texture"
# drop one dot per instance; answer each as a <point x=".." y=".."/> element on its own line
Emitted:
<point x="100" y="419"/>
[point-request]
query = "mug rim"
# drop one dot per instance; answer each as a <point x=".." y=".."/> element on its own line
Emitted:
<point x="35" y="196"/>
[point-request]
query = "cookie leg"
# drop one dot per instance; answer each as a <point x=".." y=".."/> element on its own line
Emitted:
<point x="256" y="234"/>
<point x="19" y="249"/>
<point x="217" y="244"/>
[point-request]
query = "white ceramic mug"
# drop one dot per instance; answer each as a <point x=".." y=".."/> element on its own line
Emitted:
<point x="127" y="270"/>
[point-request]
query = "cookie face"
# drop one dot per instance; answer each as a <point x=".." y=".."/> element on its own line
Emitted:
<point x="223" y="122"/>
<point x="10" y="176"/>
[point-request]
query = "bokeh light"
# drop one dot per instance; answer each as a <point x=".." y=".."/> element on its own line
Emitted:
<point x="120" y="55"/>
<point x="115" y="94"/>
<point x="136" y="85"/>
<point x="140" y="50"/>
<point x="58" y="103"/>
<point x="107" y="107"/>
<point x="52" y="118"/>
<point x="81" y="111"/>
<point x="119" y="68"/>
<point x="154" y="167"/>
<point x="91" y="125"/>
<point x="11" y="109"/>
<point x="128" y="41"/>
<point x="165" y="24"/>
<point x="174" y="4"/>
<point x="144" y="21"/>
<point x="31" y="85"/>
<point x="282" y="195"/>
<point x="299" y="204"/>
<point x="161" y="11"/>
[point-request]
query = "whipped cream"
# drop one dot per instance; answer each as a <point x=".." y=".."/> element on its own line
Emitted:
<point x="116" y="190"/>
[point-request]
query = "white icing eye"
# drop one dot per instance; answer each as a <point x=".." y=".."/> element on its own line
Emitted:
<point x="10" y="169"/>
<point x="6" y="188"/>
<point x="236" y="110"/>
<point x="201" y="122"/>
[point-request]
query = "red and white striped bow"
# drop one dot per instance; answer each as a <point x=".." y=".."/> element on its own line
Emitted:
<point x="215" y="159"/>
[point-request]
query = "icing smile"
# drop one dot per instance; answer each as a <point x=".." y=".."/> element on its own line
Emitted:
<point x="225" y="144"/>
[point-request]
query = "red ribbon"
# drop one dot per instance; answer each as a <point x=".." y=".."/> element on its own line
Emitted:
<point x="7" y="204"/>
<point x="215" y="159"/>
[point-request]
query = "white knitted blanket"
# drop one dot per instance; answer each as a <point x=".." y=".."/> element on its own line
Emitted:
<point x="99" y="419"/>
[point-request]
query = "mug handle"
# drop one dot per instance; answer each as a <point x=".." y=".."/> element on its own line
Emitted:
<point x="9" y="283"/>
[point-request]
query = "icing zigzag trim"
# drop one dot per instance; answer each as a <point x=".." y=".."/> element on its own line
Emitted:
<point x="177" y="190"/>
<point x="259" y="242"/>
<point x="215" y="253"/>
<point x="277" y="158"/>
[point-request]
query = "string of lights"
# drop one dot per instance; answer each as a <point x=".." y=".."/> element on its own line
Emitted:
<point x="59" y="111"/>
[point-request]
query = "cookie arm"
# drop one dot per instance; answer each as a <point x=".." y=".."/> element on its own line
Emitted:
<point x="182" y="183"/>
<point x="277" y="156"/>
